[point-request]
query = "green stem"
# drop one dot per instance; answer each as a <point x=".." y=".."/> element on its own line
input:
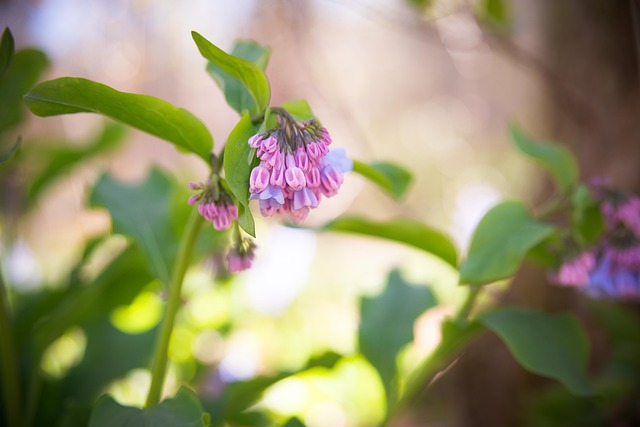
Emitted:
<point x="442" y="354"/>
<point x="8" y="360"/>
<point x="160" y="356"/>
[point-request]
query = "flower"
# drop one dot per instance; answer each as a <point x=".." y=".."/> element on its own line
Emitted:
<point x="611" y="269"/>
<point x="215" y="205"/>
<point x="241" y="254"/>
<point x="296" y="167"/>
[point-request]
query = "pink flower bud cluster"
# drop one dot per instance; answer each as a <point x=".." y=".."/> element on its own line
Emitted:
<point x="295" y="172"/>
<point x="240" y="256"/>
<point x="221" y="212"/>
<point x="611" y="268"/>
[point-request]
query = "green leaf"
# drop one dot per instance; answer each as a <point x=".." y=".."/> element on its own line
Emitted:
<point x="587" y="222"/>
<point x="70" y="95"/>
<point x="6" y="50"/>
<point x="294" y="422"/>
<point x="386" y="326"/>
<point x="300" y="110"/>
<point x="183" y="410"/>
<point x="495" y="13"/>
<point x="391" y="178"/>
<point x="7" y="156"/>
<point x="24" y="70"/>
<point x="237" y="95"/>
<point x="237" y="169"/>
<point x="420" y="4"/>
<point x="551" y="345"/>
<point x="249" y="74"/>
<point x="141" y="211"/>
<point x="60" y="159"/>
<point x="407" y="231"/>
<point x="558" y="160"/>
<point x="500" y="242"/>
<point x="238" y="396"/>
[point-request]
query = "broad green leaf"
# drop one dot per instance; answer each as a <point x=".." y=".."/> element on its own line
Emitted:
<point x="236" y="94"/>
<point x="391" y="178"/>
<point x="141" y="211"/>
<point x="7" y="156"/>
<point x="407" y="231"/>
<point x="294" y="422"/>
<point x="6" y="50"/>
<point x="69" y="95"/>
<point x="500" y="242"/>
<point x="246" y="72"/>
<point x="238" y="396"/>
<point x="60" y="159"/>
<point x="551" y="345"/>
<point x="300" y="110"/>
<point x="495" y="13"/>
<point x="587" y="222"/>
<point x="558" y="160"/>
<point x="26" y="67"/>
<point x="386" y="326"/>
<point x="183" y="410"/>
<point x="237" y="169"/>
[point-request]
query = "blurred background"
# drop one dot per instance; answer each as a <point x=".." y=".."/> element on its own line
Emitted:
<point x="431" y="87"/>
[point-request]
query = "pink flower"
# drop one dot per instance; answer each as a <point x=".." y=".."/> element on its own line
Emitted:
<point x="241" y="255"/>
<point x="259" y="179"/>
<point x="221" y="212"/>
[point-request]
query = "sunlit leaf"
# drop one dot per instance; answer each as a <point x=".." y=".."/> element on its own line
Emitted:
<point x="246" y="72"/>
<point x="391" y="178"/>
<point x="558" y="160"/>
<point x="183" y="410"/>
<point x="6" y="50"/>
<point x="406" y="231"/>
<point x="70" y="95"/>
<point x="500" y="242"/>
<point x="495" y="13"/>
<point x="141" y="211"/>
<point x="237" y="169"/>
<point x="300" y="110"/>
<point x="24" y="70"/>
<point x="237" y="95"/>
<point x="60" y="159"/>
<point x="386" y="326"/>
<point x="552" y="345"/>
<point x="586" y="216"/>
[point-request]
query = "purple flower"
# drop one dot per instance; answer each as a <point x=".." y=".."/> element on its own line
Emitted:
<point x="216" y="207"/>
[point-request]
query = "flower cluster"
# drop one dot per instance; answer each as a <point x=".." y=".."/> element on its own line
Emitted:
<point x="611" y="269"/>
<point x="215" y="204"/>
<point x="296" y="167"/>
<point x="241" y="254"/>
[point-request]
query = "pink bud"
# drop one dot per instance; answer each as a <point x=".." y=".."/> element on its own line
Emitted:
<point x="233" y="212"/>
<point x="259" y="179"/>
<point x="302" y="161"/>
<point x="255" y="140"/>
<point x="313" y="177"/>
<point x="222" y="220"/>
<point x="313" y="152"/>
<point x="331" y="179"/>
<point x="277" y="177"/>
<point x="295" y="178"/>
<point x="270" y="144"/>
<point x="194" y="199"/>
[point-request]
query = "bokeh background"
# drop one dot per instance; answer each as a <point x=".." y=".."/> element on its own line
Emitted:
<point x="432" y="89"/>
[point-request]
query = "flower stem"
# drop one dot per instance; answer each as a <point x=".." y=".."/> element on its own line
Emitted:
<point x="160" y="355"/>
<point x="8" y="361"/>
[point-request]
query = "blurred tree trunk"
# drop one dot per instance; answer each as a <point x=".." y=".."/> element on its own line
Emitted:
<point x="591" y="61"/>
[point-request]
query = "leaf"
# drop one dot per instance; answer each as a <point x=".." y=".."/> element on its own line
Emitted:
<point x="407" y="231"/>
<point x="183" y="410"/>
<point x="391" y="178"/>
<point x="551" y="345"/>
<point x="7" y="156"/>
<point x="61" y="158"/>
<point x="587" y="222"/>
<point x="558" y="160"/>
<point x="69" y="95"/>
<point x="495" y="13"/>
<point x="420" y="4"/>
<point x="24" y="70"/>
<point x="294" y="422"/>
<point x="500" y="242"/>
<point x="237" y="169"/>
<point x="236" y="94"/>
<point x="238" y="396"/>
<point x="141" y="211"/>
<point x="249" y="74"/>
<point x="386" y="326"/>
<point x="6" y="50"/>
<point x="300" y="110"/>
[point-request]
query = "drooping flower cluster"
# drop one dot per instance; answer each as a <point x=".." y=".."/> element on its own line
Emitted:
<point x="296" y="167"/>
<point x="216" y="206"/>
<point x="611" y="269"/>
<point x="241" y="254"/>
